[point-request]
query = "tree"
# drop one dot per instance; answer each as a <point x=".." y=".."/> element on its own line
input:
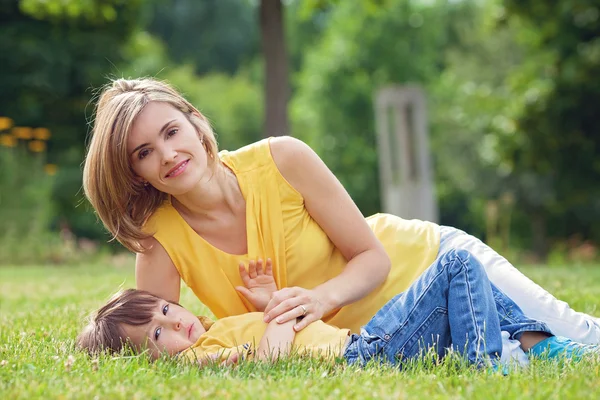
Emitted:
<point x="216" y="47"/>
<point x="277" y="89"/>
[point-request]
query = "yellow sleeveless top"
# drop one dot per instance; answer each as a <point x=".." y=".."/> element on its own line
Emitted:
<point x="280" y="227"/>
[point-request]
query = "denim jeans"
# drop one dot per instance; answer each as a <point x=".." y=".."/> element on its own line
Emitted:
<point x="451" y="305"/>
<point x="534" y="300"/>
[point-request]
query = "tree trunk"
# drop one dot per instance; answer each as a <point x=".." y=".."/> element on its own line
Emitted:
<point x="276" y="68"/>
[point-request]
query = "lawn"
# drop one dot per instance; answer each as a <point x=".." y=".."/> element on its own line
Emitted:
<point x="42" y="309"/>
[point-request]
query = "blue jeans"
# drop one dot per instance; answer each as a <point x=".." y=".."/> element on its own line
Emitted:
<point x="451" y="305"/>
<point x="533" y="299"/>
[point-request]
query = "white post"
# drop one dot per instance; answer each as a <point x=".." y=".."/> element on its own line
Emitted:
<point x="406" y="176"/>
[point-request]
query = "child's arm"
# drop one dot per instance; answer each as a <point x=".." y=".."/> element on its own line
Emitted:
<point x="277" y="341"/>
<point x="259" y="284"/>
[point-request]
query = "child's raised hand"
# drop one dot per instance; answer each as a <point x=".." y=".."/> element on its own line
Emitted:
<point x="259" y="284"/>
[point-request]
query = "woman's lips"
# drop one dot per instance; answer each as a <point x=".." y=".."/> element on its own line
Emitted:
<point x="177" y="170"/>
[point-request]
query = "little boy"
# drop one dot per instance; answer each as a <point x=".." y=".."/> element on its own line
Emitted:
<point x="452" y="305"/>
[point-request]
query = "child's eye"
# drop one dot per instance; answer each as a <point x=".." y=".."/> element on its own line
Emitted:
<point x="165" y="309"/>
<point x="157" y="333"/>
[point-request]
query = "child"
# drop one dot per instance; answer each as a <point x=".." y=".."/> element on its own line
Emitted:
<point x="452" y="305"/>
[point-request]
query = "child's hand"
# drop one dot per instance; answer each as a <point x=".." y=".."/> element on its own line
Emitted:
<point x="213" y="359"/>
<point x="259" y="285"/>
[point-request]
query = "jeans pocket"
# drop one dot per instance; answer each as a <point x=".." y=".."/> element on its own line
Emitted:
<point x="433" y="331"/>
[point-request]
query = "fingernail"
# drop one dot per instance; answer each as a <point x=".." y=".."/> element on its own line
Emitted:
<point x="266" y="318"/>
<point x="278" y="320"/>
<point x="296" y="327"/>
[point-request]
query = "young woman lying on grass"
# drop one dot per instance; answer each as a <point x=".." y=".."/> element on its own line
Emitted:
<point x="452" y="305"/>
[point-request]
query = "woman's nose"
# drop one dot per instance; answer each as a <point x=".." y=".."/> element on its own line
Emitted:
<point x="168" y="155"/>
<point x="177" y="325"/>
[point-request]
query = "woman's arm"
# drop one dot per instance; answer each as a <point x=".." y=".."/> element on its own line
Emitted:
<point x="156" y="273"/>
<point x="334" y="210"/>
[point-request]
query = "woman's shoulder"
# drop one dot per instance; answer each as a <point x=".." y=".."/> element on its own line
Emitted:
<point x="249" y="157"/>
<point x="277" y="151"/>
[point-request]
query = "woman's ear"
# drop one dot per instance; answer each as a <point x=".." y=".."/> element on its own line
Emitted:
<point x="141" y="181"/>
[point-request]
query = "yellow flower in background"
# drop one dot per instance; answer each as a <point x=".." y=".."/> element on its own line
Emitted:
<point x="41" y="133"/>
<point x="37" y="146"/>
<point x="8" y="140"/>
<point x="5" y="123"/>
<point x="50" y="169"/>
<point x="22" y="132"/>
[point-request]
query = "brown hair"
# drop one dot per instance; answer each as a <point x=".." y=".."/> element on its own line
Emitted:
<point x="105" y="332"/>
<point x="121" y="201"/>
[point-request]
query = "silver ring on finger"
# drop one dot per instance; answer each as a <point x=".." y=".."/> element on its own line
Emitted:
<point x="303" y="310"/>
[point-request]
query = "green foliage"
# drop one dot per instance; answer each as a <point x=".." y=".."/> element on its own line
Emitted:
<point x="363" y="48"/>
<point x="24" y="192"/>
<point x="211" y="35"/>
<point x="93" y="11"/>
<point x="511" y="103"/>
<point x="25" y="210"/>
<point x="233" y="104"/>
<point x="561" y="128"/>
<point x="51" y="54"/>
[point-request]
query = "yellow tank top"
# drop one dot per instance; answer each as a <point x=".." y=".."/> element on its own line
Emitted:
<point x="242" y="334"/>
<point x="280" y="227"/>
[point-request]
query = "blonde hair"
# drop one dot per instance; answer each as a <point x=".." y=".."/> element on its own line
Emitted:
<point x="121" y="201"/>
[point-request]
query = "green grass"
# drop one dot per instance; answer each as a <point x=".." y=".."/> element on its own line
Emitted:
<point x="41" y="311"/>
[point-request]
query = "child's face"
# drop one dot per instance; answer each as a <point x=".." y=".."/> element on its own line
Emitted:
<point x="172" y="329"/>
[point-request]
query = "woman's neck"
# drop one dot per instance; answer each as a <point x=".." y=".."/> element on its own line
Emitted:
<point x="220" y="194"/>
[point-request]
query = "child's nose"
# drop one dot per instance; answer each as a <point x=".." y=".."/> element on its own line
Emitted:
<point x="178" y="325"/>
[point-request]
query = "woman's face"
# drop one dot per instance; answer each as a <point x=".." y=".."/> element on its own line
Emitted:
<point x="165" y="150"/>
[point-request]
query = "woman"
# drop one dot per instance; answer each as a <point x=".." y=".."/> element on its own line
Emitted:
<point x="155" y="178"/>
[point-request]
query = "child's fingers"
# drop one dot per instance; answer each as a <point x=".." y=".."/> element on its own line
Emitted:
<point x="259" y="267"/>
<point x="245" y="292"/>
<point x="231" y="360"/>
<point x="269" y="267"/>
<point x="244" y="274"/>
<point x="252" y="269"/>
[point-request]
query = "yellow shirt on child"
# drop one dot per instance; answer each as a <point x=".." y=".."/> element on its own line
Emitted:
<point x="242" y="334"/>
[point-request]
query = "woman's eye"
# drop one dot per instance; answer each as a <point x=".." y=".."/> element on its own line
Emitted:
<point x="143" y="153"/>
<point x="157" y="333"/>
<point x="172" y="132"/>
<point x="165" y="309"/>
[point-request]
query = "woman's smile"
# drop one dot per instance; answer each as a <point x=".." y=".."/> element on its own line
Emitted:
<point x="178" y="169"/>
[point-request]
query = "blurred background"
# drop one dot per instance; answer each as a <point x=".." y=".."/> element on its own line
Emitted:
<point x="512" y="86"/>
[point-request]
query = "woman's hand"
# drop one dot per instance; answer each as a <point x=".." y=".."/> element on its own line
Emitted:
<point x="259" y="284"/>
<point x="295" y="302"/>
